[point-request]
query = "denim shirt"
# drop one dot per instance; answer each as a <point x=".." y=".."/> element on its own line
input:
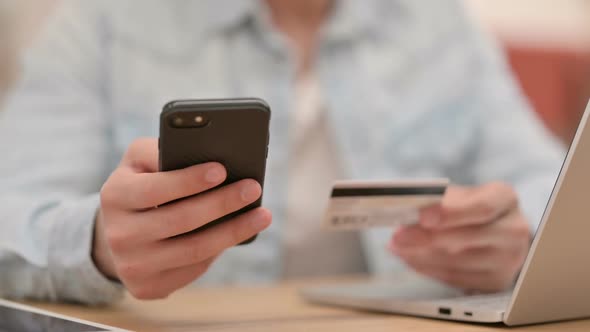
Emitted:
<point x="412" y="89"/>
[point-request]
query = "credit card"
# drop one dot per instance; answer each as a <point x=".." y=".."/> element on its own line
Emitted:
<point x="364" y="204"/>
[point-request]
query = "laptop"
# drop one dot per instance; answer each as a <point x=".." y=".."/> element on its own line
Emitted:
<point x="16" y="317"/>
<point x="553" y="285"/>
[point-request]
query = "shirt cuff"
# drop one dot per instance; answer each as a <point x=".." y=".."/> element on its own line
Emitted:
<point x="72" y="270"/>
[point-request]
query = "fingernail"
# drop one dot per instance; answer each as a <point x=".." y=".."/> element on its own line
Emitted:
<point x="250" y="193"/>
<point x="214" y="175"/>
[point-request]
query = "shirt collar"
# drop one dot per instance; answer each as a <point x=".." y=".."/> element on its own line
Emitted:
<point x="349" y="17"/>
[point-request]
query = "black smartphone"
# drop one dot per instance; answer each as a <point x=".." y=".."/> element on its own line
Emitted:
<point x="233" y="132"/>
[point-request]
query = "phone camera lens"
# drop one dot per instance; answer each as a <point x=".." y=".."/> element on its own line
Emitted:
<point x="178" y="121"/>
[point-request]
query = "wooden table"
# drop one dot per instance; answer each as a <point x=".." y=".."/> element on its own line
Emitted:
<point x="268" y="308"/>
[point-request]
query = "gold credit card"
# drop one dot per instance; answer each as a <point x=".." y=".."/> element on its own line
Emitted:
<point x="364" y="204"/>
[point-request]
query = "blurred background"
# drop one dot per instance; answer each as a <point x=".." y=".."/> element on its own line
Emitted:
<point x="547" y="43"/>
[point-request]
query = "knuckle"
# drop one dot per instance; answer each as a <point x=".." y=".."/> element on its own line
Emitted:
<point x="506" y="190"/>
<point x="185" y="217"/>
<point x="448" y="275"/>
<point x="404" y="255"/>
<point x="237" y="233"/>
<point x="135" y="155"/>
<point x="107" y="195"/>
<point x="521" y="229"/>
<point x="187" y="211"/>
<point x="136" y="145"/>
<point x="515" y="261"/>
<point x="130" y="270"/>
<point x="116" y="239"/>
<point x="487" y="209"/>
<point x="206" y="264"/>
<point x="418" y="258"/>
<point x="455" y="249"/>
<point x="443" y="248"/>
<point x="512" y="196"/>
<point x="440" y="248"/>
<point x="146" y="192"/>
<point x="454" y="257"/>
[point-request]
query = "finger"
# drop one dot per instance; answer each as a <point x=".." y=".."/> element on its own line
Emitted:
<point x="164" y="283"/>
<point x="189" y="214"/>
<point x="182" y="216"/>
<point x="461" y="207"/>
<point x="411" y="236"/>
<point x="503" y="234"/>
<point x="138" y="191"/>
<point x="506" y="233"/>
<point x="180" y="277"/>
<point x="142" y="155"/>
<point x="193" y="248"/>
<point x="138" y="266"/>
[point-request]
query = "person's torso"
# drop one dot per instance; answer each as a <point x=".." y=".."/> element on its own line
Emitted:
<point x="391" y="89"/>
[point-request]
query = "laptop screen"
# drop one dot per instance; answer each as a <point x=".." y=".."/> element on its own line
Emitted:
<point x="19" y="320"/>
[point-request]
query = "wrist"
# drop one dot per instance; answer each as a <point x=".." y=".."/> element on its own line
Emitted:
<point x="101" y="254"/>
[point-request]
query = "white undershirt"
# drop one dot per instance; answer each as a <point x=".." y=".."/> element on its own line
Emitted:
<point x="309" y="250"/>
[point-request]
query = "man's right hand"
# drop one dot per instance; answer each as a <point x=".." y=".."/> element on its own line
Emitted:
<point x="138" y="244"/>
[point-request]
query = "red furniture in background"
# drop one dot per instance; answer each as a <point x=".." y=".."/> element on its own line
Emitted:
<point x="557" y="82"/>
<point x="548" y="46"/>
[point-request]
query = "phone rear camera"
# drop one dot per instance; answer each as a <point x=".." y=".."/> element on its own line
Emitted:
<point x="178" y="121"/>
<point x="188" y="120"/>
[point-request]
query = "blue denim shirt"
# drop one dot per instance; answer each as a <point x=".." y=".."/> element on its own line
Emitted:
<point x="412" y="89"/>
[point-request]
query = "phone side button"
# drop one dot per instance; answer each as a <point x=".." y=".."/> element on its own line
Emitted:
<point x="266" y="156"/>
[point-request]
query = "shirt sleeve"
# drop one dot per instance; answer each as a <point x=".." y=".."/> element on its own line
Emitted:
<point x="512" y="143"/>
<point x="509" y="142"/>
<point x="54" y="145"/>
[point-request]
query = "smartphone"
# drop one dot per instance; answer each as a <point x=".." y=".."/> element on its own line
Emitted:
<point x="233" y="132"/>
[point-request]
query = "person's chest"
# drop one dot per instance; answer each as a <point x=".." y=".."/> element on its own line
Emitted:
<point x="394" y="108"/>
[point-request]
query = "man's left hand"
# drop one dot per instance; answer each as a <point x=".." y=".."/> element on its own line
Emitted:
<point x="476" y="239"/>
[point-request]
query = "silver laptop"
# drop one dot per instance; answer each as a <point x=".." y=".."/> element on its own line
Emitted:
<point x="554" y="283"/>
<point x="18" y="317"/>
